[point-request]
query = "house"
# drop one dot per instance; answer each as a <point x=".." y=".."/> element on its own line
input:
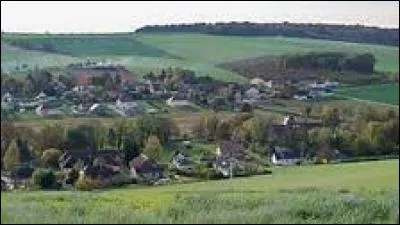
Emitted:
<point x="230" y="157"/>
<point x="145" y="168"/>
<point x="284" y="156"/>
<point x="41" y="96"/>
<point x="173" y="103"/>
<point x="228" y="167"/>
<point x="95" y="163"/>
<point x="84" y="74"/>
<point x="46" y="111"/>
<point x="257" y="81"/>
<point x="128" y="107"/>
<point x="280" y="133"/>
<point x="7" y="97"/>
<point x="341" y="155"/>
<point x="78" y="157"/>
<point x="182" y="162"/>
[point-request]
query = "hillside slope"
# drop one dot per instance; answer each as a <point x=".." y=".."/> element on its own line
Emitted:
<point x="199" y="52"/>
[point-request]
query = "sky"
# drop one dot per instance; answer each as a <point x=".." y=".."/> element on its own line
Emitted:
<point x="116" y="16"/>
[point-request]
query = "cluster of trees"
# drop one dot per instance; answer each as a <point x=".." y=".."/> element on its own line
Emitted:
<point x="36" y="80"/>
<point x="349" y="33"/>
<point x="340" y="66"/>
<point x="335" y="61"/>
<point x="368" y="132"/>
<point x="22" y="144"/>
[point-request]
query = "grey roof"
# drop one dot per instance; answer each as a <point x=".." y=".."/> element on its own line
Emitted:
<point x="285" y="153"/>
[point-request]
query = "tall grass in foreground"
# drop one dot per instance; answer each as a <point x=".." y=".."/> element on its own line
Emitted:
<point x="299" y="205"/>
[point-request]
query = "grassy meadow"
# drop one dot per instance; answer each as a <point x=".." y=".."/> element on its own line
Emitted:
<point x="142" y="53"/>
<point x="379" y="93"/>
<point x="344" y="193"/>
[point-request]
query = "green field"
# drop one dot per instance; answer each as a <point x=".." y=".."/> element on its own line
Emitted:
<point x="379" y="93"/>
<point x="201" y="53"/>
<point x="343" y="193"/>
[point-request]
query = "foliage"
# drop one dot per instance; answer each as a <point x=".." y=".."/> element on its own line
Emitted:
<point x="44" y="178"/>
<point x="12" y="156"/>
<point x="85" y="183"/>
<point x="52" y="136"/>
<point x="81" y="137"/>
<point x="318" y="31"/>
<point x="207" y="125"/>
<point x="131" y="149"/>
<point x="72" y="176"/>
<point x="330" y="117"/>
<point x="50" y="158"/>
<point x="153" y="148"/>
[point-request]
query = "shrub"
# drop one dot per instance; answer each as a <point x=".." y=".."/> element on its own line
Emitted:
<point x="44" y="178"/>
<point x="50" y="158"/>
<point x="120" y="179"/>
<point x="72" y="176"/>
<point x="85" y="183"/>
<point x="60" y="176"/>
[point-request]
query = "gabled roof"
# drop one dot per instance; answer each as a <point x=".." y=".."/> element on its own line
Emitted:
<point x="142" y="164"/>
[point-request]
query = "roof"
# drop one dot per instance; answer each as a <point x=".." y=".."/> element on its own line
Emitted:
<point x="143" y="164"/>
<point x="182" y="159"/>
<point x="285" y="153"/>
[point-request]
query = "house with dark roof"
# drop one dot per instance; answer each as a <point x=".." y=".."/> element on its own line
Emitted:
<point x="284" y="156"/>
<point x="108" y="157"/>
<point x="146" y="169"/>
<point x="182" y="162"/>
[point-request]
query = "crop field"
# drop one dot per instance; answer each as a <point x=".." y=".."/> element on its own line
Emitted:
<point x="152" y="52"/>
<point x="342" y="193"/>
<point x="379" y="93"/>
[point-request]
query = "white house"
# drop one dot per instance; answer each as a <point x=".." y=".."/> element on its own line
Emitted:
<point x="127" y="107"/>
<point x="173" y="103"/>
<point x="284" y="156"/>
<point x="257" y="81"/>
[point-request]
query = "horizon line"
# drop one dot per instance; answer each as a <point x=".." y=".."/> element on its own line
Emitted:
<point x="383" y="27"/>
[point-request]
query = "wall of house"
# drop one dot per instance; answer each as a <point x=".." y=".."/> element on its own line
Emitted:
<point x="283" y="162"/>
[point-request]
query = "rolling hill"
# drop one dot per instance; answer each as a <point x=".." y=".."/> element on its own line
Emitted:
<point x="151" y="52"/>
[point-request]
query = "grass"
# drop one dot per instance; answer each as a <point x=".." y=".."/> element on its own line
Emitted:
<point x="343" y="193"/>
<point x="152" y="52"/>
<point x="379" y="93"/>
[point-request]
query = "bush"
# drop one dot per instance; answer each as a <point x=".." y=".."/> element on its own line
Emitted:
<point x="72" y="176"/>
<point x="44" y="178"/>
<point x="50" y="158"/>
<point x="85" y="183"/>
<point x="60" y="176"/>
<point x="120" y="179"/>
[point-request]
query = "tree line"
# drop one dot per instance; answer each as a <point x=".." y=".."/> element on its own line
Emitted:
<point x="349" y="33"/>
<point x="147" y="134"/>
<point x="364" y="131"/>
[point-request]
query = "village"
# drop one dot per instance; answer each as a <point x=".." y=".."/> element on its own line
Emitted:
<point x="105" y="90"/>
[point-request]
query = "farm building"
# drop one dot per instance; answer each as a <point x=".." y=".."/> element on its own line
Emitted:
<point x="173" y="103"/>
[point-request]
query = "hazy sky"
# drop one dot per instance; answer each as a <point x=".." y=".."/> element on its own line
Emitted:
<point x="127" y="16"/>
